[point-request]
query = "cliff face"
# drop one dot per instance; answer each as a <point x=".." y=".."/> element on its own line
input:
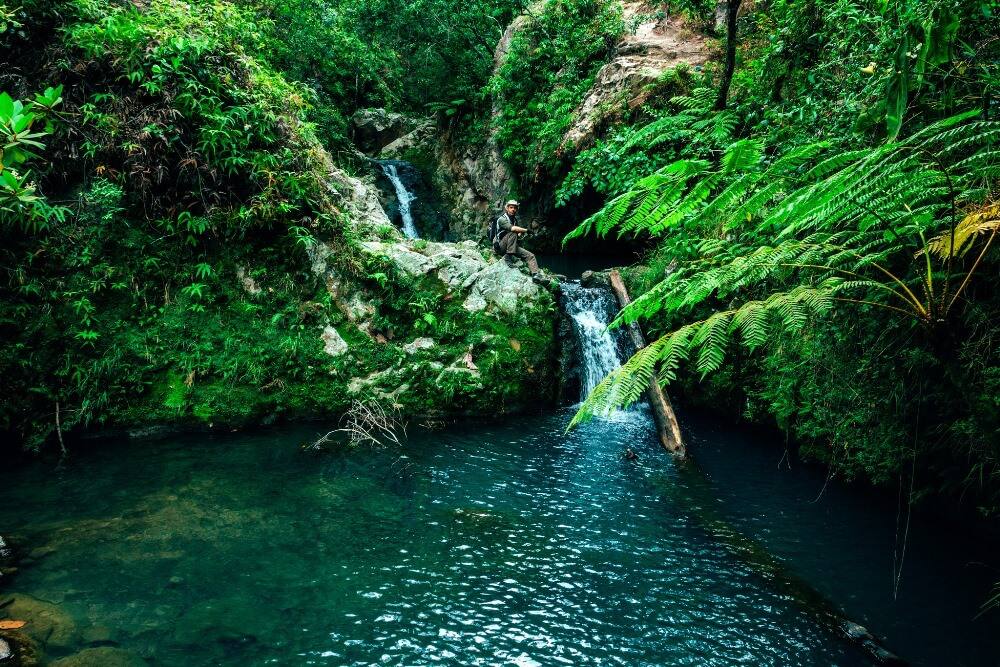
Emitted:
<point x="474" y="180"/>
<point x="658" y="44"/>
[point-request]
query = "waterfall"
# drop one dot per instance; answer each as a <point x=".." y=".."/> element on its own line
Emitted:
<point x="405" y="198"/>
<point x="590" y="310"/>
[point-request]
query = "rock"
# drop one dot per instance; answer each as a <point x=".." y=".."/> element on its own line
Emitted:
<point x="98" y="635"/>
<point x="417" y="139"/>
<point x="102" y="656"/>
<point x="418" y="344"/>
<point x="658" y="43"/>
<point x="407" y="260"/>
<point x="45" y="622"/>
<point x="358" y="197"/>
<point x="373" y="129"/>
<point x="502" y="287"/>
<point x="250" y="285"/>
<point x="333" y="343"/>
<point x="38" y="553"/>
<point x="6" y="652"/>
<point x="595" y="279"/>
<point x="226" y="620"/>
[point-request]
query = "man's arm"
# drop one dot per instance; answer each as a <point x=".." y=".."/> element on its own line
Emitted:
<point x="505" y="224"/>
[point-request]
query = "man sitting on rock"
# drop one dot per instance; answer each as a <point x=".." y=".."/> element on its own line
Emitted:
<point x="504" y="236"/>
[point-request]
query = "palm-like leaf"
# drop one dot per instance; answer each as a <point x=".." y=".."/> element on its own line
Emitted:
<point x="840" y="226"/>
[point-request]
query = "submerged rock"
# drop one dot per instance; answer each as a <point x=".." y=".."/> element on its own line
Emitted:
<point x="45" y="622"/>
<point x="102" y="656"/>
<point x="226" y="621"/>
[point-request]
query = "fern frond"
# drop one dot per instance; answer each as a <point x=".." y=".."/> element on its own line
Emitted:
<point x="986" y="219"/>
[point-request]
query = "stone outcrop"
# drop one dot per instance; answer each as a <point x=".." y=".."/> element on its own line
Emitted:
<point x="373" y="129"/>
<point x="359" y="197"/>
<point x="490" y="286"/>
<point x="430" y="317"/>
<point x="658" y="44"/>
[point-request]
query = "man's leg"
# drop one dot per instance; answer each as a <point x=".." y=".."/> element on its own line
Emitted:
<point x="529" y="259"/>
<point x="508" y="245"/>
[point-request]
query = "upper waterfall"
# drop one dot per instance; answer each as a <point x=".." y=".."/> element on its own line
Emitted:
<point x="404" y="196"/>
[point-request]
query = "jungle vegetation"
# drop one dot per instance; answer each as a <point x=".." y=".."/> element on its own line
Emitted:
<point x="825" y="242"/>
<point x="823" y="233"/>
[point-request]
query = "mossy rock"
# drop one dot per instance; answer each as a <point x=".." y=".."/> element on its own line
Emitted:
<point x="102" y="656"/>
<point x="21" y="650"/>
<point x="46" y="623"/>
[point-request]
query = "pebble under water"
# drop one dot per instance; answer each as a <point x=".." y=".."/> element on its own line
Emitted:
<point x="479" y="545"/>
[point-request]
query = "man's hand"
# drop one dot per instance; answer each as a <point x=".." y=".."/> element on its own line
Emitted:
<point x="518" y="230"/>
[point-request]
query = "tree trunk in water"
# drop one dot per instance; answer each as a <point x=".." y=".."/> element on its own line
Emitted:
<point x="667" y="427"/>
<point x="732" y="9"/>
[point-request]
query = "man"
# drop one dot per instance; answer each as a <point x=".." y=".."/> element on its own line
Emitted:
<point x="504" y="236"/>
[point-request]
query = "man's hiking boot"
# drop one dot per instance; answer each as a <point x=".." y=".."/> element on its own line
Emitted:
<point x="511" y="261"/>
<point x="543" y="280"/>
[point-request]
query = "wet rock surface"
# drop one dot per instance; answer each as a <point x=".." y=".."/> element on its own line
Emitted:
<point x="103" y="656"/>
<point x="658" y="43"/>
<point x="45" y="622"/>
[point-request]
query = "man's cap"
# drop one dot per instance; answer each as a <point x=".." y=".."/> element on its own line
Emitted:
<point x="512" y="202"/>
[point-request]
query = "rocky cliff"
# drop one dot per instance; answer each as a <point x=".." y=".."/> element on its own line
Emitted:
<point x="472" y="180"/>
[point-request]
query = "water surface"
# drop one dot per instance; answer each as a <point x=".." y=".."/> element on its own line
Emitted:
<point x="508" y="544"/>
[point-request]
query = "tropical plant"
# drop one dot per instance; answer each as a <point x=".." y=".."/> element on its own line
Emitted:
<point x="891" y="227"/>
<point x="20" y="201"/>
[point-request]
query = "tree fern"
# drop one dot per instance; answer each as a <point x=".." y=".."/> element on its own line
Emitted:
<point x="852" y="228"/>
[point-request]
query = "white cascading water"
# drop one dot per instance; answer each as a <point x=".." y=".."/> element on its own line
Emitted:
<point x="591" y="309"/>
<point x="405" y="198"/>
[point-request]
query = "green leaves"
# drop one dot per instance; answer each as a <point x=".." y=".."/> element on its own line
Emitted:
<point x="19" y="199"/>
<point x="840" y="231"/>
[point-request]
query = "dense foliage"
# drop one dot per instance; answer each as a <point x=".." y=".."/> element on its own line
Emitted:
<point x="826" y="243"/>
<point x="165" y="180"/>
<point x="549" y="66"/>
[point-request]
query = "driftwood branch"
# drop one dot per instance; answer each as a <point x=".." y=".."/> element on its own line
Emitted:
<point x="668" y="430"/>
<point x="369" y="422"/>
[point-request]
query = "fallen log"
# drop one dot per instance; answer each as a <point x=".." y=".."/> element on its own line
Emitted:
<point x="668" y="430"/>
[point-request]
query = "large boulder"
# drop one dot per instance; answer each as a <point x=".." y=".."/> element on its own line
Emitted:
<point x="373" y="129"/>
<point x="488" y="285"/>
<point x="503" y="288"/>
